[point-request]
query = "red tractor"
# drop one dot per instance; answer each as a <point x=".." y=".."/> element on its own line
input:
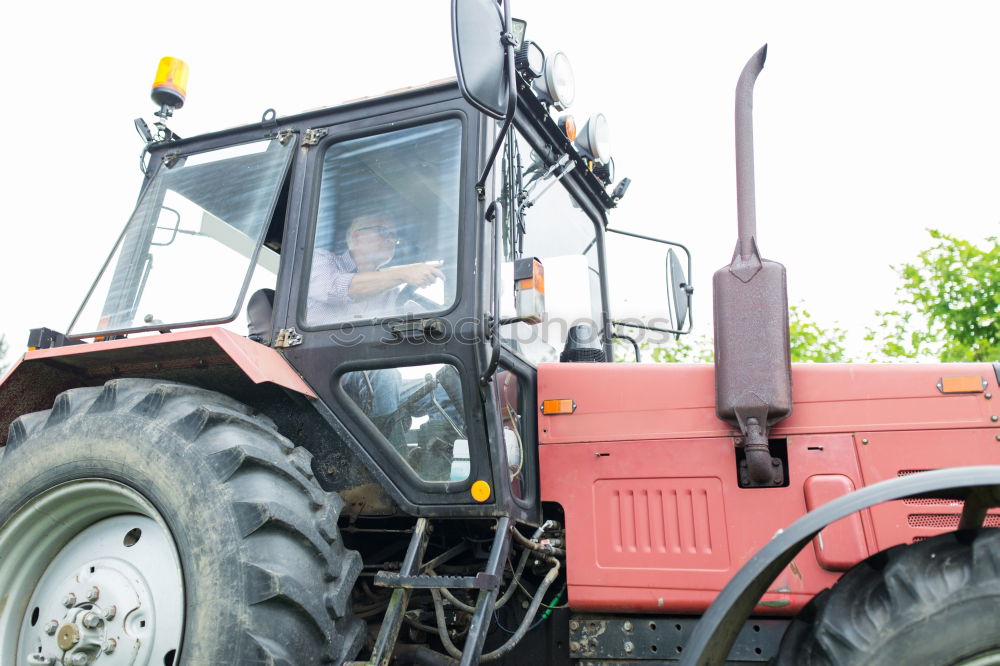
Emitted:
<point x="415" y="453"/>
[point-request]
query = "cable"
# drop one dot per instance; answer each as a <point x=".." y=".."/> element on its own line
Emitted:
<point x="524" y="627"/>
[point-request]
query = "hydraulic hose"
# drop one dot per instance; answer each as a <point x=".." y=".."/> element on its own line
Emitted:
<point x="512" y="642"/>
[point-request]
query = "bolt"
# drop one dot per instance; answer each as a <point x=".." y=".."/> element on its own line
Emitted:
<point x="629" y="647"/>
<point x="998" y="438"/>
<point x="775" y="462"/>
<point x="574" y="646"/>
<point x="79" y="659"/>
<point x="627" y="626"/>
<point x="864" y="440"/>
<point x="109" y="612"/>
<point x="93" y="594"/>
<point x="995" y="418"/>
<point x="51" y="627"/>
<point x="110" y="646"/>
<point x="574" y="625"/>
<point x="91" y="620"/>
<point x="69" y="600"/>
<point x="988" y="396"/>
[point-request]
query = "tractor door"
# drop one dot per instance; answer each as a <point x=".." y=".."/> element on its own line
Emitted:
<point x="385" y="309"/>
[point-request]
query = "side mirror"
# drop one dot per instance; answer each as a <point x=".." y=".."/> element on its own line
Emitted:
<point x="477" y="37"/>
<point x="679" y="290"/>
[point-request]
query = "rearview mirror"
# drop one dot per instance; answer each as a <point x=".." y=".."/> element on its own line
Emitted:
<point x="679" y="290"/>
<point x="477" y="29"/>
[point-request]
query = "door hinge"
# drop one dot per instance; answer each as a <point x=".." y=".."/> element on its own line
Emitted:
<point x="284" y="136"/>
<point x="312" y="136"/>
<point x="287" y="337"/>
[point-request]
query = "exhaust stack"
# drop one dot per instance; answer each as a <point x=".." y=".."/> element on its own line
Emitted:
<point x="753" y="381"/>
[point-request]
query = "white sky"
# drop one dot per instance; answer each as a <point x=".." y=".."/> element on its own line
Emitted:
<point x="873" y="122"/>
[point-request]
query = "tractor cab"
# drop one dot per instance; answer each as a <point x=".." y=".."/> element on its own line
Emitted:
<point x="410" y="256"/>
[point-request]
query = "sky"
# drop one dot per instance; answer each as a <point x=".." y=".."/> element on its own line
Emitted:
<point x="873" y="122"/>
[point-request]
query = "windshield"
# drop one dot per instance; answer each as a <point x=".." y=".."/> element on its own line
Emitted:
<point x="188" y="248"/>
<point x="552" y="227"/>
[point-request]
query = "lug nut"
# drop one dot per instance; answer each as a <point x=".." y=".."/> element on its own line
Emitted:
<point x="110" y="646"/>
<point x="93" y="594"/>
<point x="91" y="620"/>
<point x="51" y="627"/>
<point x="69" y="600"/>
<point x="109" y="612"/>
<point x="79" y="659"/>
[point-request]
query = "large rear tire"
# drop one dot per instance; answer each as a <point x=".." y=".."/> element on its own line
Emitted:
<point x="121" y="494"/>
<point x="934" y="603"/>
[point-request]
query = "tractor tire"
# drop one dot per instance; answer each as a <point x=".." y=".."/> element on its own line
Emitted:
<point x="148" y="522"/>
<point x="931" y="603"/>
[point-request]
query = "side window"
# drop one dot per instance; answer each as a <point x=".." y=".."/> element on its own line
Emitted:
<point x="510" y="396"/>
<point x="386" y="241"/>
<point x="420" y="410"/>
<point x="547" y="223"/>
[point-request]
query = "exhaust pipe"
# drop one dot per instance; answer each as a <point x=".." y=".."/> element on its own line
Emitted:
<point x="753" y="374"/>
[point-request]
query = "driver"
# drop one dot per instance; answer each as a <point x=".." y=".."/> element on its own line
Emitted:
<point x="354" y="283"/>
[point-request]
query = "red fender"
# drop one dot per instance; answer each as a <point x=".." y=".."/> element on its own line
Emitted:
<point x="210" y="357"/>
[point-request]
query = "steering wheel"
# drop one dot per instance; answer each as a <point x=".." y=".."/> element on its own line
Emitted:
<point x="409" y="293"/>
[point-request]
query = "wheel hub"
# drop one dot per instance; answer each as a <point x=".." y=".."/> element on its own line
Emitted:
<point x="110" y="595"/>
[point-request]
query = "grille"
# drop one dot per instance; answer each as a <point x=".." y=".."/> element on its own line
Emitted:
<point x="945" y="520"/>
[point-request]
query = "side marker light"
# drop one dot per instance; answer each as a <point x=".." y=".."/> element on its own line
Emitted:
<point x="553" y="407"/>
<point x="973" y="384"/>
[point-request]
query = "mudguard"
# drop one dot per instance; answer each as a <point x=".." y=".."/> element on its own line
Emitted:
<point x="209" y="357"/>
<point x="715" y="633"/>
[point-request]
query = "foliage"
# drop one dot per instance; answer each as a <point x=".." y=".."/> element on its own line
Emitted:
<point x="949" y="304"/>
<point x="810" y="343"/>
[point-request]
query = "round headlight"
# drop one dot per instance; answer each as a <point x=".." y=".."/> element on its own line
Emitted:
<point x="594" y="138"/>
<point x="557" y="86"/>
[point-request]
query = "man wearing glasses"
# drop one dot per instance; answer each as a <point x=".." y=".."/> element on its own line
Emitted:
<point x="354" y="284"/>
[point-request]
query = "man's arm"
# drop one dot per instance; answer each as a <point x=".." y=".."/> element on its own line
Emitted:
<point x="369" y="283"/>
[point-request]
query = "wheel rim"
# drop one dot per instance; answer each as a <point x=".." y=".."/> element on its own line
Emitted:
<point x="91" y="576"/>
<point x="991" y="658"/>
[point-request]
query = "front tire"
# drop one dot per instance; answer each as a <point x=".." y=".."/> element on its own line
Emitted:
<point x="932" y="603"/>
<point x="243" y="562"/>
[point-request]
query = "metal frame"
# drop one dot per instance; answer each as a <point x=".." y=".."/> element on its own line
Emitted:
<point x="714" y="636"/>
<point x="689" y="291"/>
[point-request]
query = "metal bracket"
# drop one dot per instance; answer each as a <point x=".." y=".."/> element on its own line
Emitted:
<point x="170" y="159"/>
<point x="312" y="137"/>
<point x="287" y="337"/>
<point x="284" y="136"/>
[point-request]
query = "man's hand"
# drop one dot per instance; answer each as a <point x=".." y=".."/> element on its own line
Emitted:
<point x="419" y="275"/>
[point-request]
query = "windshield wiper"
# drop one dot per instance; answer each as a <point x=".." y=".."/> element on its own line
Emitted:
<point x="562" y="167"/>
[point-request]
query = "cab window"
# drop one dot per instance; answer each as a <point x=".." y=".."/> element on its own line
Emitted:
<point x="386" y="240"/>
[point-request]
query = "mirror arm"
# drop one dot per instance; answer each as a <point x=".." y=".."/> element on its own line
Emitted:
<point x="688" y="288"/>
<point x="508" y="41"/>
<point x="635" y="345"/>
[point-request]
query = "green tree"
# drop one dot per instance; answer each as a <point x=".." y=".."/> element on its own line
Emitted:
<point x="949" y="304"/>
<point x="809" y="342"/>
<point x="812" y="344"/>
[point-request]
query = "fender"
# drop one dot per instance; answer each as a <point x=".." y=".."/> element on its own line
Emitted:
<point x="207" y="357"/>
<point x="715" y="633"/>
